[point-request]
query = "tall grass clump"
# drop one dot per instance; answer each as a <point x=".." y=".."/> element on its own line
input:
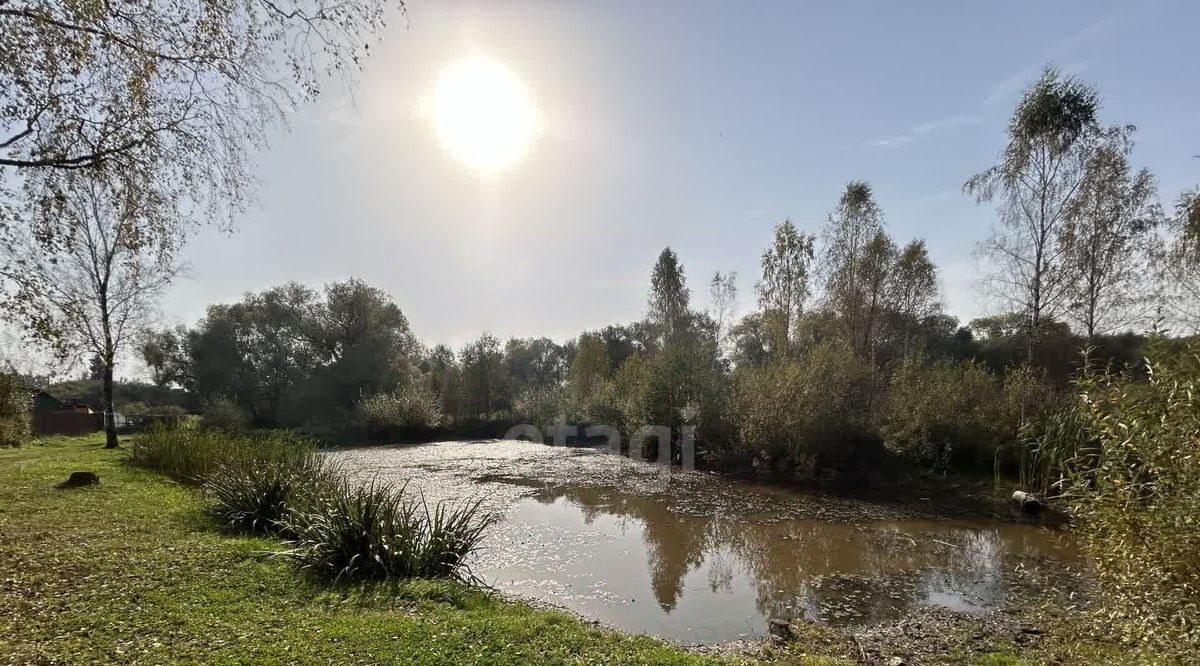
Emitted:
<point x="190" y="455"/>
<point x="257" y="497"/>
<point x="279" y="484"/>
<point x="375" y="531"/>
<point x="1134" y="489"/>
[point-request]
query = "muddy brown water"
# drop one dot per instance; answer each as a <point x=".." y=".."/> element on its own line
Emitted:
<point x="701" y="558"/>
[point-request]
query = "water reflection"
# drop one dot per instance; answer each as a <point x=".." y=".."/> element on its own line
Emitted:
<point x="600" y="552"/>
<point x="704" y="558"/>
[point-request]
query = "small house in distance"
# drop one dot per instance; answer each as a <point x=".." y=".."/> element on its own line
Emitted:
<point x="53" y="416"/>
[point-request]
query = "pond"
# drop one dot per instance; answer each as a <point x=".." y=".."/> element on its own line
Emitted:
<point x="701" y="558"/>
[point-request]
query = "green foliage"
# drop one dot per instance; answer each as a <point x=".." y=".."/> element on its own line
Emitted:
<point x="155" y="399"/>
<point x="589" y="367"/>
<point x="784" y="287"/>
<point x="669" y="293"/>
<point x="15" y="401"/>
<point x="222" y="413"/>
<point x="191" y="455"/>
<point x="482" y="375"/>
<point x="411" y="406"/>
<point x="256" y="497"/>
<point x="1049" y="446"/>
<point x="628" y="396"/>
<point x="949" y="415"/>
<point x="682" y="382"/>
<point x="539" y="405"/>
<point x="1135" y="489"/>
<point x="291" y="356"/>
<point x="376" y="532"/>
<point x="801" y="414"/>
<point x="931" y="410"/>
<point x="168" y="413"/>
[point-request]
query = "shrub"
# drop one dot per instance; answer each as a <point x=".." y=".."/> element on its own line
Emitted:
<point x="222" y="413"/>
<point x="256" y="497"/>
<point x="944" y="415"/>
<point x="798" y="414"/>
<point x="1135" y="490"/>
<point x="277" y="483"/>
<point x="413" y="406"/>
<point x="192" y="454"/>
<point x="15" y="401"/>
<point x="376" y="532"/>
<point x="958" y="415"/>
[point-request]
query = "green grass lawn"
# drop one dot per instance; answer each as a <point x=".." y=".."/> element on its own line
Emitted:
<point x="133" y="570"/>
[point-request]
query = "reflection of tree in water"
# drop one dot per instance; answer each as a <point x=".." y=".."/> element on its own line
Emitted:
<point x="720" y="572"/>
<point x="822" y="570"/>
<point x="675" y="544"/>
<point x="848" y="573"/>
<point x="788" y="562"/>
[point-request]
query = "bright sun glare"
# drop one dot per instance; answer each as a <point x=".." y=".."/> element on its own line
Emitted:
<point x="483" y="114"/>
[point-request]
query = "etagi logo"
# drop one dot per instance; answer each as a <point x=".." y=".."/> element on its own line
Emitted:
<point x="643" y="442"/>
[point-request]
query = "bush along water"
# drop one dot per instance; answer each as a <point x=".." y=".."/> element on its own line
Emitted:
<point x="375" y="531"/>
<point x="1133" y="483"/>
<point x="337" y="528"/>
<point x="256" y="498"/>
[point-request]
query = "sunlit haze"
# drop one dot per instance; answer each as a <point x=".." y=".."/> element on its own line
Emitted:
<point x="482" y="113"/>
<point x="516" y="167"/>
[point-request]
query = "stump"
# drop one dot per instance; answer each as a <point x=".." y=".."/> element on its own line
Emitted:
<point x="781" y="630"/>
<point x="1028" y="502"/>
<point x="80" y="479"/>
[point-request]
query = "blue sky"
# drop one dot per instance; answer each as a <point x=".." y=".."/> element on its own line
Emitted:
<point x="698" y="125"/>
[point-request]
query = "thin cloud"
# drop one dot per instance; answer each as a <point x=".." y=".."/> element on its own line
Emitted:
<point x="954" y="121"/>
<point x="922" y="130"/>
<point x="893" y="141"/>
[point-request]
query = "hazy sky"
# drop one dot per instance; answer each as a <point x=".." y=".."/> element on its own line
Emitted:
<point x="695" y="125"/>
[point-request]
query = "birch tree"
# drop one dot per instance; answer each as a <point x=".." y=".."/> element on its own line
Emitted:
<point x="1051" y="138"/>
<point x="84" y="278"/>
<point x="1180" y="262"/>
<point x="1106" y="241"/>
<point x="852" y="277"/>
<point x="912" y="291"/>
<point x="783" y="289"/>
<point x="724" y="292"/>
<point x="669" y="294"/>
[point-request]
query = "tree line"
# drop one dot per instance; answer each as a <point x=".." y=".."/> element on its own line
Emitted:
<point x="847" y="355"/>
<point x="848" y="324"/>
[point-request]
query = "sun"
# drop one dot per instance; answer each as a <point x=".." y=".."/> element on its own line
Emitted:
<point x="483" y="114"/>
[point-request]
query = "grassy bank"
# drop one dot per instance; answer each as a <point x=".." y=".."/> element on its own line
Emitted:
<point x="134" y="570"/>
